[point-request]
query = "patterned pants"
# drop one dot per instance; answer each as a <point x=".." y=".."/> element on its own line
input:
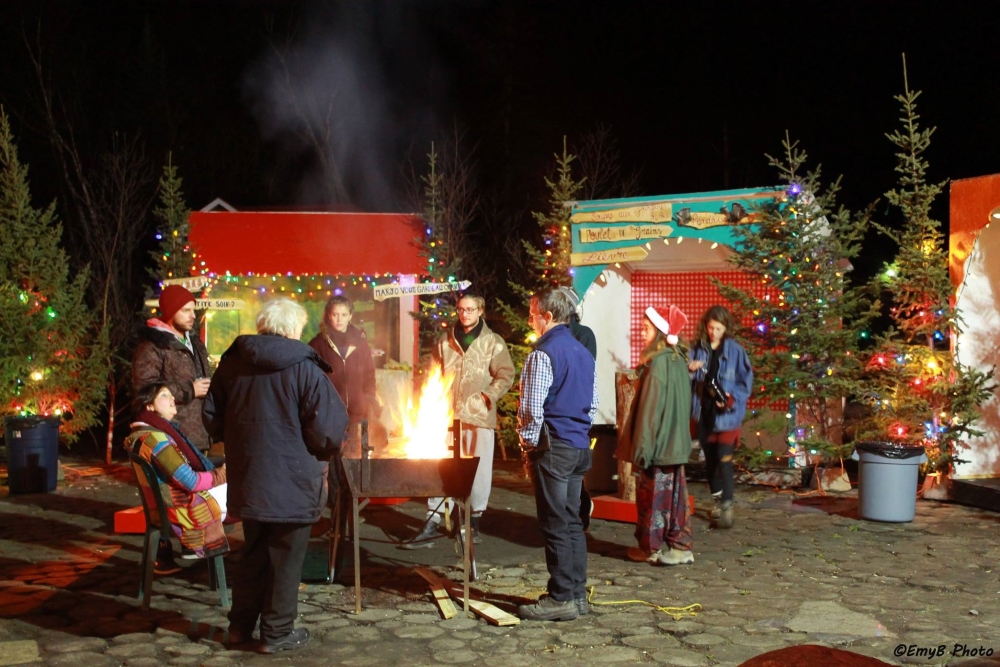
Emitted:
<point x="661" y="499"/>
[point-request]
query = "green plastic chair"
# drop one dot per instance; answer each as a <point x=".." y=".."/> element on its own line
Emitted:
<point x="156" y="517"/>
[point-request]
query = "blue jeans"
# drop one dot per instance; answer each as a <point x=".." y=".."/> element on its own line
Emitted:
<point x="557" y="475"/>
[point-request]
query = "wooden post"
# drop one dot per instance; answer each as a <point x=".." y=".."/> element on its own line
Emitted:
<point x="625" y="387"/>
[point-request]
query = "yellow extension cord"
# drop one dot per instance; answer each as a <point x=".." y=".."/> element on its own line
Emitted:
<point x="677" y="613"/>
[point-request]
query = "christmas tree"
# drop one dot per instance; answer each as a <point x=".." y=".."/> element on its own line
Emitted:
<point x="917" y="390"/>
<point x="445" y="219"/>
<point x="548" y="266"/>
<point x="174" y="256"/>
<point x="52" y="350"/>
<point x="551" y="261"/>
<point x="803" y="326"/>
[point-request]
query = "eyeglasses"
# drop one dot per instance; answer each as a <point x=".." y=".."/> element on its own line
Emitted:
<point x="467" y="310"/>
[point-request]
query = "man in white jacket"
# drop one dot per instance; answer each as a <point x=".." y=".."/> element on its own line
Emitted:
<point x="483" y="371"/>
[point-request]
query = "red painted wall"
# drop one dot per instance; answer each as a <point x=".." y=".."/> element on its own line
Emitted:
<point x="307" y="243"/>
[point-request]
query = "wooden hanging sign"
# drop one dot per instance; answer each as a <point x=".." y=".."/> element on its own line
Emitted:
<point x="661" y="212"/>
<point x="383" y="292"/>
<point x="187" y="282"/>
<point x="629" y="254"/>
<point x="207" y="304"/>
<point x="624" y="233"/>
<point x="219" y="304"/>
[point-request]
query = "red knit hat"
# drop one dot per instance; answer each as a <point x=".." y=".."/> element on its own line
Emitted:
<point x="670" y="321"/>
<point x="172" y="299"/>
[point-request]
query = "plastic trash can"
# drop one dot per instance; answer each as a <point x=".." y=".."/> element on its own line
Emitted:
<point x="887" y="480"/>
<point x="32" y="453"/>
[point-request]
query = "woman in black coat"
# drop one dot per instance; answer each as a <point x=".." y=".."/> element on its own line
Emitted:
<point x="344" y="348"/>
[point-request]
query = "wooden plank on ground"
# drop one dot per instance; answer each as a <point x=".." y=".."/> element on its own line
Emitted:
<point x="491" y="613"/>
<point x="440" y="592"/>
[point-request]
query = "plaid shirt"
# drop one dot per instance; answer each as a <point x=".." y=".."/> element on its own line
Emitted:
<point x="536" y="378"/>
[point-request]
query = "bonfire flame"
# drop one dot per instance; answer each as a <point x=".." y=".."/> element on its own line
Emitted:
<point x="425" y="425"/>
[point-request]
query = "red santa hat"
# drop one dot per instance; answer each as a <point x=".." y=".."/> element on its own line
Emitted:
<point x="669" y="321"/>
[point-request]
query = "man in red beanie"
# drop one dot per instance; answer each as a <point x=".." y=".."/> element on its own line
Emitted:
<point x="167" y="352"/>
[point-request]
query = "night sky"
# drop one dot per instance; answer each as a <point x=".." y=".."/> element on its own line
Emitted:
<point x="681" y="86"/>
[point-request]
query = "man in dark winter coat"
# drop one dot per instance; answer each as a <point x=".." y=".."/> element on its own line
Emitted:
<point x="282" y="421"/>
<point x="168" y="353"/>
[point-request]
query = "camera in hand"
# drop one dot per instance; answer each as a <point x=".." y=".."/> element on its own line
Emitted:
<point x="715" y="390"/>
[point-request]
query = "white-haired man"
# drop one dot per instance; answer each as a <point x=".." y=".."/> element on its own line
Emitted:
<point x="272" y="404"/>
<point x="558" y="404"/>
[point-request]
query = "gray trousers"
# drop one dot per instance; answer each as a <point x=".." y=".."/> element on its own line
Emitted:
<point x="475" y="442"/>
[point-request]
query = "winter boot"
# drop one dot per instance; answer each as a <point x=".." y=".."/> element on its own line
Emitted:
<point x="426" y="538"/>
<point x="726" y="518"/>
<point x="716" y="510"/>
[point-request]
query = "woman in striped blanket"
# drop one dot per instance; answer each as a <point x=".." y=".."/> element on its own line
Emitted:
<point x="193" y="489"/>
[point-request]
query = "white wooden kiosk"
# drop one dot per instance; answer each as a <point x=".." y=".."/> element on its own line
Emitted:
<point x="632" y="253"/>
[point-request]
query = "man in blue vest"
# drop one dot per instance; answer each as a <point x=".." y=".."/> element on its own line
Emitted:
<point x="558" y="404"/>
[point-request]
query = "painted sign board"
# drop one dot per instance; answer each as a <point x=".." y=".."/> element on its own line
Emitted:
<point x="659" y="212"/>
<point x="623" y="233"/>
<point x="383" y="292"/>
<point x="607" y="230"/>
<point x="207" y="304"/>
<point x="610" y="256"/>
<point x="187" y="282"/>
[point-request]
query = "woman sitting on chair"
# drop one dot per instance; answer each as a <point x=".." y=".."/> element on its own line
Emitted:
<point x="196" y="502"/>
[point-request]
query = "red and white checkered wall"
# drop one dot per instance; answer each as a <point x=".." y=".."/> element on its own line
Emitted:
<point x="692" y="292"/>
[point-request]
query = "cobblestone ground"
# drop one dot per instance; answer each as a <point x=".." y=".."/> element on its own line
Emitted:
<point x="792" y="571"/>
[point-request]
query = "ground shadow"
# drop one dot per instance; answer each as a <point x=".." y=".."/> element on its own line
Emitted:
<point x="57" y="502"/>
<point x="78" y="597"/>
<point x="840" y="505"/>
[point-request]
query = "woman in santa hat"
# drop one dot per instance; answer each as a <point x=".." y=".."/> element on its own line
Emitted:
<point x="656" y="439"/>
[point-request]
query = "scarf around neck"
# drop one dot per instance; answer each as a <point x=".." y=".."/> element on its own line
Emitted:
<point x="178" y="438"/>
<point x="465" y="339"/>
<point x="341" y="339"/>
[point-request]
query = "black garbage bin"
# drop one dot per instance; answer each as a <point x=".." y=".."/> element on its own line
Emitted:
<point x="887" y="480"/>
<point x="32" y="453"/>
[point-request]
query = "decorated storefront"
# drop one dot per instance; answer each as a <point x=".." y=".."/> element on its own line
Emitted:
<point x="629" y="254"/>
<point x="245" y="258"/>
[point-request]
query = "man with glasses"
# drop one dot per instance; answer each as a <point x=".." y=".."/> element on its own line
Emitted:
<point x="483" y="372"/>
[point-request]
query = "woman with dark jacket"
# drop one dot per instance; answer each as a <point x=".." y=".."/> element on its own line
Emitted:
<point x="656" y="439"/>
<point x="344" y="348"/>
<point x="721" y="383"/>
<point x="282" y="421"/>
